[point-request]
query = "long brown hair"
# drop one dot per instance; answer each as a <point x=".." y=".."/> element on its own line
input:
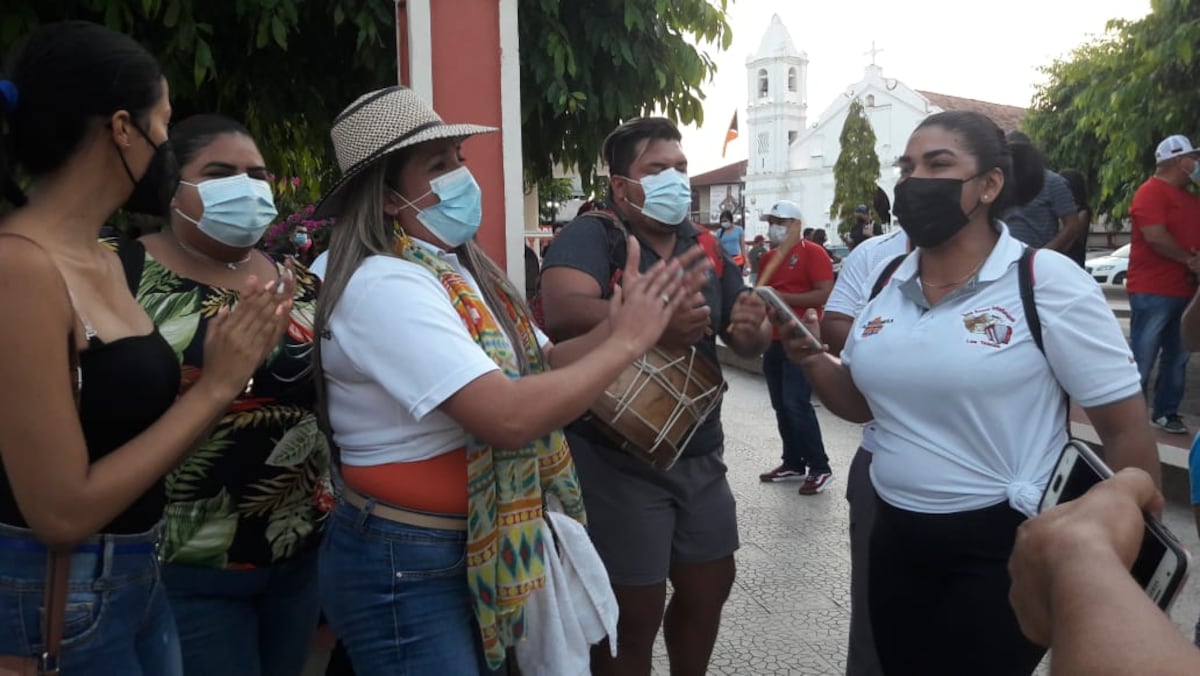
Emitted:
<point x="363" y="230"/>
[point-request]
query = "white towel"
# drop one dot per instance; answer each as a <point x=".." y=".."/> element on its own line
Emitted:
<point x="574" y="610"/>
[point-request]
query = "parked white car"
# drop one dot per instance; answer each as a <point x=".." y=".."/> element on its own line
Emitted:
<point x="1110" y="269"/>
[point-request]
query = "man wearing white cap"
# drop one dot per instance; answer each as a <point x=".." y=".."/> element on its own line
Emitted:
<point x="801" y="272"/>
<point x="1163" y="263"/>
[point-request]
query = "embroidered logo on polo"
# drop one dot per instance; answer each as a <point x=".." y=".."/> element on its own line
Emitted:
<point x="875" y="326"/>
<point x="990" y="327"/>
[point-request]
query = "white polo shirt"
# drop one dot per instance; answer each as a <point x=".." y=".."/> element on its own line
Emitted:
<point x="397" y="350"/>
<point x="853" y="287"/>
<point x="969" y="413"/>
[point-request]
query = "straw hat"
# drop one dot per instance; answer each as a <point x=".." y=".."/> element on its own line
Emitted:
<point x="377" y="124"/>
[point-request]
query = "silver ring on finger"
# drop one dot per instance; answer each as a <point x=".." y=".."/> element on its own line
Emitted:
<point x="666" y="300"/>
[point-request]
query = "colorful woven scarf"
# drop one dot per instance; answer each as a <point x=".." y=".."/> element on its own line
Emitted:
<point x="505" y="549"/>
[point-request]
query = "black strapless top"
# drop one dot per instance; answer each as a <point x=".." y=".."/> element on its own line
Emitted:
<point x="127" y="385"/>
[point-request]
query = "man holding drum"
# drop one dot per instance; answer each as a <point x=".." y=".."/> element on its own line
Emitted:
<point x="648" y="524"/>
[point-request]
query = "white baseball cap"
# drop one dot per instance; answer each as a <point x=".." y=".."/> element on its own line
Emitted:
<point x="785" y="209"/>
<point x="1173" y="146"/>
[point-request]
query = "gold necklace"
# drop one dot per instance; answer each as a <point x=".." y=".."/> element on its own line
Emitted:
<point x="956" y="283"/>
<point x="196" y="253"/>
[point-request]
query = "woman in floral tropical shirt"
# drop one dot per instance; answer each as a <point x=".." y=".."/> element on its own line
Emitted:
<point x="244" y="511"/>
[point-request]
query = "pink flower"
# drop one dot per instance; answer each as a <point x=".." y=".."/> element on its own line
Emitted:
<point x="295" y="181"/>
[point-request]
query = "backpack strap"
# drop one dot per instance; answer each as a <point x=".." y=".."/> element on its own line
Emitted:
<point x="1025" y="280"/>
<point x="616" y="246"/>
<point x="886" y="275"/>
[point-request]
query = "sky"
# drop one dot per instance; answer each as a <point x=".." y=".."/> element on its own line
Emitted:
<point x="987" y="51"/>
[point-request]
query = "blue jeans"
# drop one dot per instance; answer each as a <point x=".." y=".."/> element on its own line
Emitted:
<point x="1155" y="334"/>
<point x="791" y="397"/>
<point x="117" y="620"/>
<point x="397" y="596"/>
<point x="255" y="622"/>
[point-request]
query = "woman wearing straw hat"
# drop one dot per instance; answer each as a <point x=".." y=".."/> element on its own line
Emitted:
<point x="438" y="392"/>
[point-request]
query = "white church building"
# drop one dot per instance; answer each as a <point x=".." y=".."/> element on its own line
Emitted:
<point x="789" y="158"/>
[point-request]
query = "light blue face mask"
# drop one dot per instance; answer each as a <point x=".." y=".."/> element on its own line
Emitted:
<point x="455" y="218"/>
<point x="237" y="209"/>
<point x="668" y="196"/>
<point x="1196" y="171"/>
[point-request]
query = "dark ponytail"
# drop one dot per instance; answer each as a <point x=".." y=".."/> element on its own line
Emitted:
<point x="66" y="75"/>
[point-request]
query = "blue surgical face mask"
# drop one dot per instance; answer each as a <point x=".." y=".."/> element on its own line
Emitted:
<point x="668" y="196"/>
<point x="1195" y="175"/>
<point x="455" y="218"/>
<point x="237" y="209"/>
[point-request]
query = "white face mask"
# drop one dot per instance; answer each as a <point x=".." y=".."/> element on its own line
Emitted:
<point x="237" y="209"/>
<point x="777" y="233"/>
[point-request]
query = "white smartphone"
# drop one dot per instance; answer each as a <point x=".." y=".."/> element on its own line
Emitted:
<point x="1162" y="563"/>
<point x="772" y="299"/>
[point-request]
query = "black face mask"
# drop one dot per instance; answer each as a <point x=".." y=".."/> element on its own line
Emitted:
<point x="930" y="209"/>
<point x="152" y="193"/>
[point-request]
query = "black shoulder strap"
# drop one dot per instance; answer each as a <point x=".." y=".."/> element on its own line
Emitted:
<point x="1025" y="280"/>
<point x="885" y="275"/>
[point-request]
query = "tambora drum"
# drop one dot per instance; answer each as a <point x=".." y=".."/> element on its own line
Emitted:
<point x="656" y="404"/>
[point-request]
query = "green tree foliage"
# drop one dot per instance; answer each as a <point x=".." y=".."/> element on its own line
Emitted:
<point x="286" y="67"/>
<point x="588" y="66"/>
<point x="857" y="167"/>
<point x="1106" y="106"/>
<point x="283" y="67"/>
<point x="552" y="194"/>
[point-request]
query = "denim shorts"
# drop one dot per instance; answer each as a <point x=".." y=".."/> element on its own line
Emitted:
<point x="117" y="619"/>
<point x="397" y="596"/>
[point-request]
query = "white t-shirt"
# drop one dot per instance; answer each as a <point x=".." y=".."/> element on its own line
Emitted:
<point x="397" y="350"/>
<point x="969" y="412"/>
<point x="853" y="287"/>
<point x="318" y="265"/>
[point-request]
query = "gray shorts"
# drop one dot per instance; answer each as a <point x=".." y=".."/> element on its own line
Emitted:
<point x="642" y="520"/>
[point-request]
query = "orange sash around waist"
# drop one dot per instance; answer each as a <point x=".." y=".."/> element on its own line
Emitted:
<point x="437" y="485"/>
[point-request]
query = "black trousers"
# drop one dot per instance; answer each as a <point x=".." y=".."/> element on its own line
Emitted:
<point x="938" y="593"/>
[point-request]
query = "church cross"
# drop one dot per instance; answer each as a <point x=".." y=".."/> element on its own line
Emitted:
<point x="872" y="52"/>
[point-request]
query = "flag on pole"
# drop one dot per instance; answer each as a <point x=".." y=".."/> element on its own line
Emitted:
<point x="731" y="134"/>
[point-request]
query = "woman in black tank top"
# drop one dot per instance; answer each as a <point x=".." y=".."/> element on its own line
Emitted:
<point x="87" y="110"/>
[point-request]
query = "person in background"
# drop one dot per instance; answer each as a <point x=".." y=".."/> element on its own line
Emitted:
<point x="302" y="245"/>
<point x="1079" y="192"/>
<point x="851" y="293"/>
<point x="244" y="511"/>
<point x="1072" y="591"/>
<point x="1163" y="263"/>
<point x="1049" y="220"/>
<point x="733" y="239"/>
<point x="427" y="365"/>
<point x="86" y="113"/>
<point x="862" y="229"/>
<point x="807" y="233"/>
<point x="821" y="238"/>
<point x="957" y="469"/>
<point x="803" y="280"/>
<point x="755" y="255"/>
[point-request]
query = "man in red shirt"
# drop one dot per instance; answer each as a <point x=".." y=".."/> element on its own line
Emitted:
<point x="1163" y="262"/>
<point x="803" y="279"/>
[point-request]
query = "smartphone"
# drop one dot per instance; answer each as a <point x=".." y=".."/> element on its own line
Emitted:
<point x="1162" y="563"/>
<point x="772" y="299"/>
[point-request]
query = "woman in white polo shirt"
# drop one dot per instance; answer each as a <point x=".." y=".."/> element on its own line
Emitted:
<point x="968" y="411"/>
<point x="439" y="395"/>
